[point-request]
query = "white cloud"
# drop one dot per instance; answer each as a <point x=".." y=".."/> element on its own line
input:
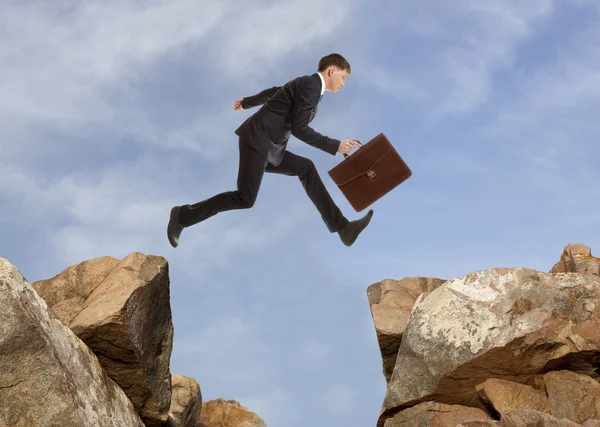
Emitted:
<point x="460" y="46"/>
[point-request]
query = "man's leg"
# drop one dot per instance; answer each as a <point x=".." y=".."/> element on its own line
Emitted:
<point x="305" y="170"/>
<point x="250" y="173"/>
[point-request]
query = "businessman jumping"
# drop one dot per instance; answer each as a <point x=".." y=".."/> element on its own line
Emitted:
<point x="286" y="110"/>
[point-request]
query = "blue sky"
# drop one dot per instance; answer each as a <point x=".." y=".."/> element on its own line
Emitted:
<point x="112" y="112"/>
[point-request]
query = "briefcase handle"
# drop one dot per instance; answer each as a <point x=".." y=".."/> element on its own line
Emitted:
<point x="361" y="144"/>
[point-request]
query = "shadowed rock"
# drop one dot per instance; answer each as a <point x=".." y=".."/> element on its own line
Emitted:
<point x="48" y="376"/>
<point x="121" y="310"/>
<point x="391" y="302"/>
<point x="511" y="324"/>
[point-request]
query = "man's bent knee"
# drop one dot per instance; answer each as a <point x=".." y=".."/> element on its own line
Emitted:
<point x="308" y="167"/>
<point x="245" y="201"/>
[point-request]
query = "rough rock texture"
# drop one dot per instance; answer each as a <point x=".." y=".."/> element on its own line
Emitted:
<point x="121" y="310"/>
<point x="573" y="396"/>
<point x="505" y="396"/>
<point x="391" y="302"/>
<point x="479" y="423"/>
<point x="186" y="400"/>
<point x="435" y="414"/>
<point x="228" y="413"/>
<point x="529" y="417"/>
<point x="48" y="376"/>
<point x="505" y="323"/>
<point x="577" y="258"/>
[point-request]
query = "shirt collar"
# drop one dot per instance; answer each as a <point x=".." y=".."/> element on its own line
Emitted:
<point x="322" y="84"/>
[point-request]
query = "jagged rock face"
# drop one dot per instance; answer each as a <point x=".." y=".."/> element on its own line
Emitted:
<point x="121" y="310"/>
<point x="577" y="258"/>
<point x="510" y="324"/>
<point x="186" y="401"/>
<point x="228" y="413"/>
<point x="49" y="377"/>
<point x="391" y="302"/>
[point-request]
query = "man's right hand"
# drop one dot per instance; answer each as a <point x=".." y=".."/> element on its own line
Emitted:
<point x="238" y="105"/>
<point x="347" y="144"/>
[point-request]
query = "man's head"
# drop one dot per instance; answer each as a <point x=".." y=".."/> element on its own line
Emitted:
<point x="334" y="68"/>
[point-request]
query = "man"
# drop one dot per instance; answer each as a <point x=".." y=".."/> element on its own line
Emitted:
<point x="263" y="137"/>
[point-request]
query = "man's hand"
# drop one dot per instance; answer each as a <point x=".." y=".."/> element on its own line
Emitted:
<point x="238" y="105"/>
<point x="347" y="144"/>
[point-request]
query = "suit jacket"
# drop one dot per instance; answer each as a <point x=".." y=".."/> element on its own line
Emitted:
<point x="286" y="110"/>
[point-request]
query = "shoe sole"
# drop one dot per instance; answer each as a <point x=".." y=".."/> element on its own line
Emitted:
<point x="173" y="218"/>
<point x="362" y="225"/>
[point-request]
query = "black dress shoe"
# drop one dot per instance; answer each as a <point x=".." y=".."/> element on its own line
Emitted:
<point x="174" y="228"/>
<point x="350" y="232"/>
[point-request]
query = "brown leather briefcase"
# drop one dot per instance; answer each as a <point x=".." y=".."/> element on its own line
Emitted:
<point x="370" y="173"/>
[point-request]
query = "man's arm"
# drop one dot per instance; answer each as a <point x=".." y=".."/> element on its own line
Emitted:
<point x="307" y="97"/>
<point x="259" y="98"/>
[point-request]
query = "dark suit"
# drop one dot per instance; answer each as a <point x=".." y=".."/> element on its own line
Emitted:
<point x="263" y="137"/>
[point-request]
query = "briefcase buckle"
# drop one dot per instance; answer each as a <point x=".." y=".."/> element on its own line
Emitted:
<point x="371" y="174"/>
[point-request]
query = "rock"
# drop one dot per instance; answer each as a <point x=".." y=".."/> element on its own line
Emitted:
<point x="49" y="377"/>
<point x="479" y="423"/>
<point x="529" y="417"/>
<point x="504" y="323"/>
<point x="436" y="414"/>
<point x="186" y="400"/>
<point x="573" y="396"/>
<point x="505" y="396"/>
<point x="391" y="302"/>
<point x="577" y="258"/>
<point x="228" y="413"/>
<point x="121" y="310"/>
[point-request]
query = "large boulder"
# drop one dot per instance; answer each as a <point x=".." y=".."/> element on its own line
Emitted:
<point x="573" y="396"/>
<point x="510" y="324"/>
<point x="391" y="302"/>
<point x="577" y="258"/>
<point x="121" y="310"/>
<point x="49" y="377"/>
<point x="505" y="396"/>
<point x="186" y="401"/>
<point x="228" y="413"/>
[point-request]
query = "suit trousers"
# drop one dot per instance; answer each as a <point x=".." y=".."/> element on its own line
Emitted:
<point x="252" y="166"/>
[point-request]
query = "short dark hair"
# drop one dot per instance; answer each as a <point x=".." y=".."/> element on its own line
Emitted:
<point x="334" y="59"/>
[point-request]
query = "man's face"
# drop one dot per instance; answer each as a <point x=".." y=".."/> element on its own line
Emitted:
<point x="338" y="77"/>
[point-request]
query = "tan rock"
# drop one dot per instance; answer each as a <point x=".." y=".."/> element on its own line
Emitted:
<point x="504" y="323"/>
<point x="573" y="396"/>
<point x="391" y="302"/>
<point x="48" y="376"/>
<point x="228" y="413"/>
<point x="529" y="417"/>
<point x="436" y="415"/>
<point x="186" y="400"/>
<point x="505" y="396"/>
<point x="577" y="258"/>
<point x="121" y="310"/>
<point x="479" y="423"/>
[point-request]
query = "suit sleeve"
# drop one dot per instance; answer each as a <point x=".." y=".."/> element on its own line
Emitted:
<point x="307" y="97"/>
<point x="259" y="98"/>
